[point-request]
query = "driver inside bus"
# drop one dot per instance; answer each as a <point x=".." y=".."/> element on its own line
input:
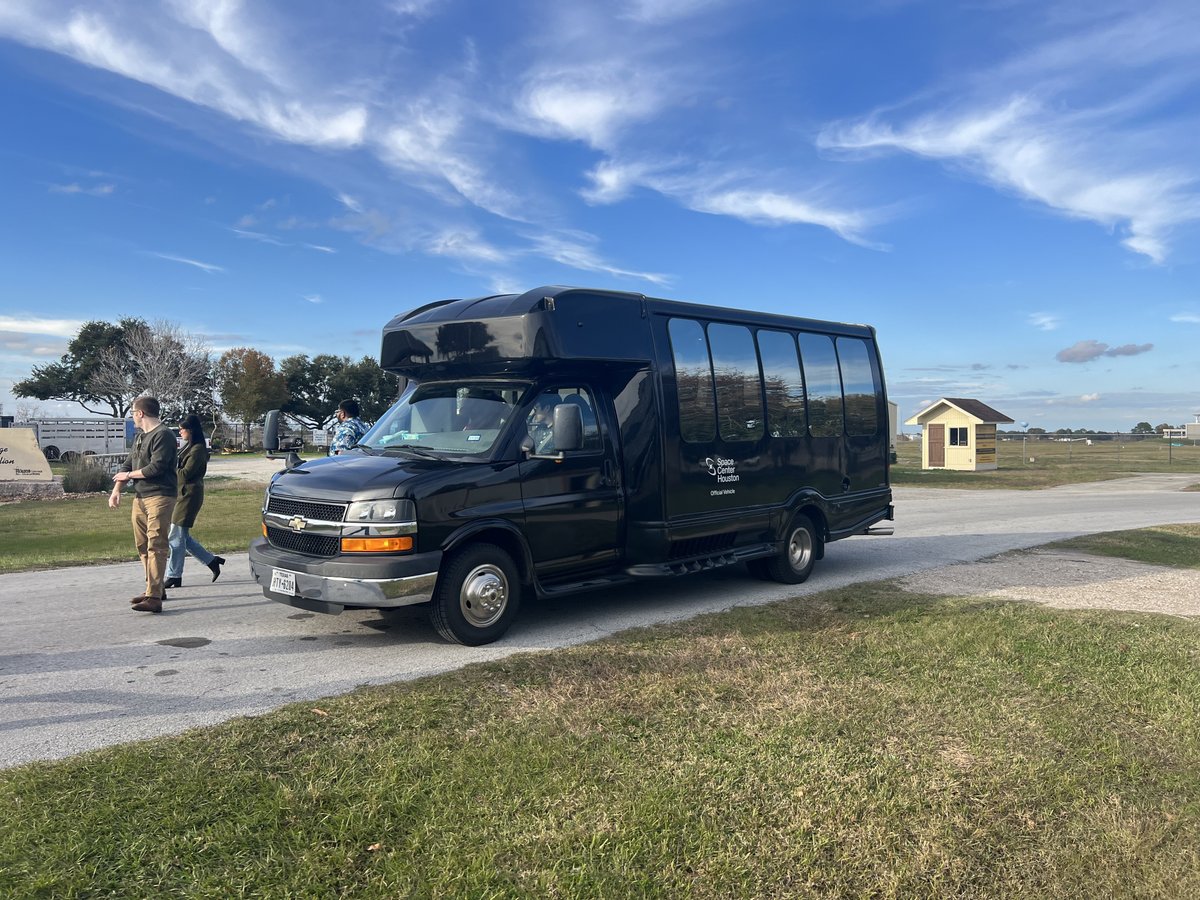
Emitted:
<point x="541" y="422"/>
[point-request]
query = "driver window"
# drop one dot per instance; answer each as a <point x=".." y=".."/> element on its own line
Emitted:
<point x="541" y="417"/>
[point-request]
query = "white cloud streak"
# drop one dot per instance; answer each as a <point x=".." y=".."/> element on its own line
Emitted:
<point x="203" y="266"/>
<point x="38" y="325"/>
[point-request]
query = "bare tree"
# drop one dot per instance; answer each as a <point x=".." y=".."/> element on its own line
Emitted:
<point x="164" y="361"/>
<point x="28" y="411"/>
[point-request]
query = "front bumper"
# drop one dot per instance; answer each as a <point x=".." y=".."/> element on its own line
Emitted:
<point x="331" y="585"/>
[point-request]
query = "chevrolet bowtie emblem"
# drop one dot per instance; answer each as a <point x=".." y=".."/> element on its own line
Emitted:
<point x="297" y="523"/>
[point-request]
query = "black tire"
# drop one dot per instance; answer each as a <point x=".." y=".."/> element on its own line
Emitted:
<point x="51" y="453"/>
<point x="69" y="457"/>
<point x="795" y="560"/>
<point x="478" y="595"/>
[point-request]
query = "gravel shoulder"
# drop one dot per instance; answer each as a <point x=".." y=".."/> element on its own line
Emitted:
<point x="1067" y="579"/>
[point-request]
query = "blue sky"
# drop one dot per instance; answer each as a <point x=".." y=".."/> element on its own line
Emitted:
<point x="1009" y="191"/>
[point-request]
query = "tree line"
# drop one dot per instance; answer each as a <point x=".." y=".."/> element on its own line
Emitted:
<point x="107" y="366"/>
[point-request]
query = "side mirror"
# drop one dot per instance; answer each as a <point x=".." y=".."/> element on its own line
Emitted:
<point x="568" y="427"/>
<point x="271" y="432"/>
<point x="271" y="442"/>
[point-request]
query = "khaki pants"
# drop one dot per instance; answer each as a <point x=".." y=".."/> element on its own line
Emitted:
<point x="151" y="527"/>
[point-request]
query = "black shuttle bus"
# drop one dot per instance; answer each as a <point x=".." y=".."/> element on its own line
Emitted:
<point x="567" y="439"/>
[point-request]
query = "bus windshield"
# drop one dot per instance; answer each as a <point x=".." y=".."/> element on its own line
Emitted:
<point x="443" y="418"/>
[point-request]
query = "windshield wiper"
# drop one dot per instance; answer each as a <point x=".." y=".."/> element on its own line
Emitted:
<point x="371" y="451"/>
<point x="413" y="449"/>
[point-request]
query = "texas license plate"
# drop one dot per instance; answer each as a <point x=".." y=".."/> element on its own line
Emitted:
<point x="283" y="582"/>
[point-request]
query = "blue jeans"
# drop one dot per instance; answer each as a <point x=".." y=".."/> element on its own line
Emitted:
<point x="181" y="544"/>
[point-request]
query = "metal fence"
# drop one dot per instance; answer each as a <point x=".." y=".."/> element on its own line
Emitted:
<point x="1113" y="451"/>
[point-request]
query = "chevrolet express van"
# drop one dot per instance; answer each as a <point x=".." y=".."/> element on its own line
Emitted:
<point x="568" y="439"/>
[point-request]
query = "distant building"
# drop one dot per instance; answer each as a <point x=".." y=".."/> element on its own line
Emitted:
<point x="958" y="434"/>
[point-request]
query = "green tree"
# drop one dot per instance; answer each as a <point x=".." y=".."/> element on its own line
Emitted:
<point x="1142" y="428"/>
<point x="364" y="381"/>
<point x="73" y="377"/>
<point x="249" y="385"/>
<point x="311" y="401"/>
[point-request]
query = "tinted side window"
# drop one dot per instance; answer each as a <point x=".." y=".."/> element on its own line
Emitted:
<point x="823" y="383"/>
<point x="859" y="386"/>
<point x="739" y="388"/>
<point x="693" y="380"/>
<point x="541" y="417"/>
<point x="784" y="384"/>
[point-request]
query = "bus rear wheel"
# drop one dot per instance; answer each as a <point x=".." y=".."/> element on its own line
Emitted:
<point x="795" y="560"/>
<point x="477" y="597"/>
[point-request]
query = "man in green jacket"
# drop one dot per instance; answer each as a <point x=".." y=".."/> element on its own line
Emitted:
<point x="150" y="467"/>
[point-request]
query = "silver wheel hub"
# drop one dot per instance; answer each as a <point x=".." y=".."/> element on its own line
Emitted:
<point x="484" y="595"/>
<point x="800" y="549"/>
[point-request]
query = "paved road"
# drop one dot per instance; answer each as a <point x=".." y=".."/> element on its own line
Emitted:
<point x="78" y="670"/>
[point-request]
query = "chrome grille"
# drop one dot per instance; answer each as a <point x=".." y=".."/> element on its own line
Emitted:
<point x="309" y="509"/>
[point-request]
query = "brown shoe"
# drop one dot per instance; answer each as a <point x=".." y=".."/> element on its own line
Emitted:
<point x="140" y="597"/>
<point x="148" y="604"/>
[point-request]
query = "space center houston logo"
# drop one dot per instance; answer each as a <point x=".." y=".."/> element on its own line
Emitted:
<point x="725" y="471"/>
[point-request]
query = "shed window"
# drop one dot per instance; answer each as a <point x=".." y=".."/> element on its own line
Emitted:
<point x="958" y="437"/>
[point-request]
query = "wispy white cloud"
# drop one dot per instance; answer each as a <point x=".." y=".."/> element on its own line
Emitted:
<point x="95" y="190"/>
<point x="1186" y="318"/>
<point x="1045" y="321"/>
<point x="1074" y="123"/>
<point x="313" y="298"/>
<point x="1089" y="398"/>
<point x="39" y="325"/>
<point x="591" y="103"/>
<point x="742" y="195"/>
<point x="659" y="12"/>
<point x="207" y="267"/>
<point x="578" y="252"/>
<point x="210" y="53"/>
<point x="259" y="236"/>
<point x="464" y="245"/>
<point x="320" y="248"/>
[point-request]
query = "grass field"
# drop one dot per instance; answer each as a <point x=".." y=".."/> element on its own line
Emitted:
<point x="863" y="742"/>
<point x="40" y="534"/>
<point x="1047" y="463"/>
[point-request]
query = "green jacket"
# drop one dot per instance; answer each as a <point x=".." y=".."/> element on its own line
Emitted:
<point x="193" y="463"/>
<point x="153" y="452"/>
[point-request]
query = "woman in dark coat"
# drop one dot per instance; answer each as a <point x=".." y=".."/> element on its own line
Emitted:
<point x="193" y="463"/>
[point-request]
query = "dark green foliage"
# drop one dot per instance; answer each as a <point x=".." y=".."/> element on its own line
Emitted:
<point x="84" y="478"/>
<point x="316" y="385"/>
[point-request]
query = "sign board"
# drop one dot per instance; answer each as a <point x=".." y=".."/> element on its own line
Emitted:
<point x="20" y="457"/>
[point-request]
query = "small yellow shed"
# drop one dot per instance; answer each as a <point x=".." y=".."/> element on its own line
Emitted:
<point x="958" y="434"/>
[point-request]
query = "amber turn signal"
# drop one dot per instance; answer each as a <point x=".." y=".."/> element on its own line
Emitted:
<point x="376" y="545"/>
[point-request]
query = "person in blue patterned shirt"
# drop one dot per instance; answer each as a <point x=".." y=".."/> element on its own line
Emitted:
<point x="349" y="428"/>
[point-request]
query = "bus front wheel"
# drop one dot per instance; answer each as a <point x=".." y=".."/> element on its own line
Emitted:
<point x="477" y="597"/>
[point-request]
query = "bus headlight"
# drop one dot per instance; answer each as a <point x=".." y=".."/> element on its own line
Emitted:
<point x="374" y="526"/>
